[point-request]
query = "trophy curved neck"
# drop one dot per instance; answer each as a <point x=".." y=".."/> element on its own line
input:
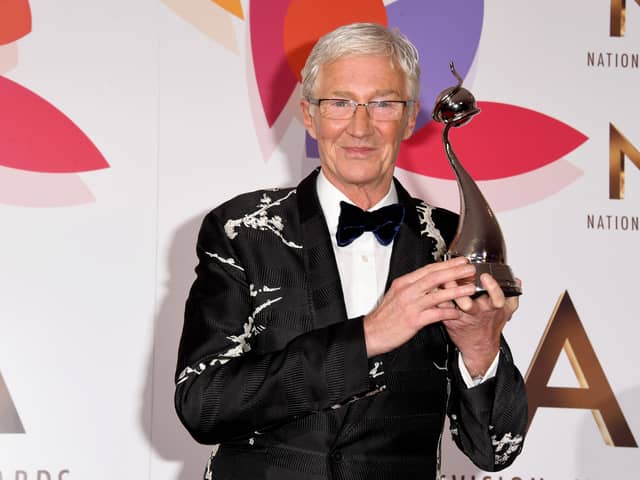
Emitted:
<point x="478" y="236"/>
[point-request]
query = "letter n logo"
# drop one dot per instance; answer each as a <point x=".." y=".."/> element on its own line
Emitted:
<point x="565" y="331"/>
<point x="9" y="419"/>
<point x="619" y="148"/>
<point x="618" y="17"/>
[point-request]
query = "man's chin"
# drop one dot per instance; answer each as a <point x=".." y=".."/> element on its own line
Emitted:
<point x="366" y="178"/>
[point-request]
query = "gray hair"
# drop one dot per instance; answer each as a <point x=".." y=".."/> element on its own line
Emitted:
<point x="363" y="39"/>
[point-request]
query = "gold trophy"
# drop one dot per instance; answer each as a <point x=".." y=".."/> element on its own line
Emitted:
<point x="478" y="237"/>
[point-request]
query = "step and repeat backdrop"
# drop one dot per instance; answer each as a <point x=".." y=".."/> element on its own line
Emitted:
<point x="122" y="123"/>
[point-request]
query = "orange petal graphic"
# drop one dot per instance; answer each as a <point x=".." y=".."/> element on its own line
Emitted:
<point x="307" y="20"/>
<point x="232" y="6"/>
<point x="15" y="20"/>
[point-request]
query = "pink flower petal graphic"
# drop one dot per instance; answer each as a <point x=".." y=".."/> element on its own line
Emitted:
<point x="503" y="194"/>
<point x="37" y="137"/>
<point x="273" y="75"/>
<point x="29" y="189"/>
<point x="502" y="141"/>
<point x="8" y="57"/>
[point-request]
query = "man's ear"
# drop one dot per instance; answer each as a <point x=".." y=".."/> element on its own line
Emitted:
<point x="411" y="121"/>
<point x="307" y="118"/>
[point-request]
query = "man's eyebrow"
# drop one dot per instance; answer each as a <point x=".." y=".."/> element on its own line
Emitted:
<point x="386" y="93"/>
<point x="378" y="93"/>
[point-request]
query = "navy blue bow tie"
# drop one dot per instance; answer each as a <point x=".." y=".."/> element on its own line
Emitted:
<point x="353" y="222"/>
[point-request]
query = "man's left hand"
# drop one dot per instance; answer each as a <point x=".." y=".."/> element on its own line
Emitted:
<point x="477" y="332"/>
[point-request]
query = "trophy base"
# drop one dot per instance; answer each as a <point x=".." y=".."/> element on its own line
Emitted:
<point x="502" y="274"/>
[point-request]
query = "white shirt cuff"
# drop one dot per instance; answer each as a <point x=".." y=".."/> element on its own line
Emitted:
<point x="472" y="382"/>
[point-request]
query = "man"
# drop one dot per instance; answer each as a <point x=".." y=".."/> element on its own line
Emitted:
<point x="315" y="349"/>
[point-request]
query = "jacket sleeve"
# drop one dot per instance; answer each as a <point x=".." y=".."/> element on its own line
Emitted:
<point x="488" y="421"/>
<point x="224" y="389"/>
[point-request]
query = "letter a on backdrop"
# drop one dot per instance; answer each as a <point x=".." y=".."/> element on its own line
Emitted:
<point x="565" y="331"/>
<point x="9" y="419"/>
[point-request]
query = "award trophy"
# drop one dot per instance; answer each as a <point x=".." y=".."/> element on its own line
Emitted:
<point x="478" y="237"/>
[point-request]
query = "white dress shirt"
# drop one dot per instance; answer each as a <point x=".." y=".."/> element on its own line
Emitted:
<point x="363" y="265"/>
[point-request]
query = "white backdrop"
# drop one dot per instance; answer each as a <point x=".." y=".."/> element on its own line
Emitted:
<point x="93" y="283"/>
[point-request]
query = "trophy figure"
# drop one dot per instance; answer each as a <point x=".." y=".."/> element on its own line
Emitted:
<point x="478" y="237"/>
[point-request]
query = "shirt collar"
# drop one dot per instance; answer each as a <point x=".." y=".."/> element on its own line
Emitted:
<point x="330" y="198"/>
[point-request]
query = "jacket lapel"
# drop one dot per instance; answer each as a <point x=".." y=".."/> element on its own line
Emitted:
<point x="327" y="300"/>
<point x="410" y="251"/>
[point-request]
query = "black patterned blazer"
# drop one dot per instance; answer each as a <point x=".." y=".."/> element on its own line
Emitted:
<point x="271" y="368"/>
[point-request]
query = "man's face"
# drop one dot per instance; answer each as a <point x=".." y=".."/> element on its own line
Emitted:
<point x="359" y="152"/>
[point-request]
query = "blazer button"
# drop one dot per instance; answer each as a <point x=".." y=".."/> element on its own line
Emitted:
<point x="337" y="456"/>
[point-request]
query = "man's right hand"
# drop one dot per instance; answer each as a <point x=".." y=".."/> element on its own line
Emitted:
<point x="416" y="300"/>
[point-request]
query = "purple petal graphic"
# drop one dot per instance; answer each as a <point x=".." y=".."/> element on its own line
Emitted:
<point x="443" y="31"/>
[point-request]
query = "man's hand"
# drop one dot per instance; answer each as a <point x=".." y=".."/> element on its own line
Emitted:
<point x="417" y="299"/>
<point x="476" y="331"/>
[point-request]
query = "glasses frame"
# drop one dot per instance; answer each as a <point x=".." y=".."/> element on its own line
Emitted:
<point x="355" y="105"/>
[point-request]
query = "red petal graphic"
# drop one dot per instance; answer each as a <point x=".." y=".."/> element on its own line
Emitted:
<point x="502" y="141"/>
<point x="15" y="20"/>
<point x="37" y="137"/>
<point x="273" y="76"/>
<point x="503" y="194"/>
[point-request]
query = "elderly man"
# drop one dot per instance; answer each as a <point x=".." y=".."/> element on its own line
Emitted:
<point x="324" y="337"/>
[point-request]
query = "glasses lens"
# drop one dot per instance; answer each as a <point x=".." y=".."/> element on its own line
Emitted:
<point x="385" y="110"/>
<point x="336" y="109"/>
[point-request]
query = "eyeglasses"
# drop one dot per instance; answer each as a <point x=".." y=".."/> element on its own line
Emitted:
<point x="342" y="109"/>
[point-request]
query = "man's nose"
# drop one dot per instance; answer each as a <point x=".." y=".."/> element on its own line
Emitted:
<point x="360" y="124"/>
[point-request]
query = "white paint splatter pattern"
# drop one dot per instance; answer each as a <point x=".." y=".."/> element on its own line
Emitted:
<point x="376" y="371"/>
<point x="240" y="342"/>
<point x="254" y="293"/>
<point x="439" y="367"/>
<point x="505" y="447"/>
<point x="260" y="220"/>
<point x="228" y="261"/>
<point x="430" y="230"/>
<point x="208" y="472"/>
<point x="355" y="398"/>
